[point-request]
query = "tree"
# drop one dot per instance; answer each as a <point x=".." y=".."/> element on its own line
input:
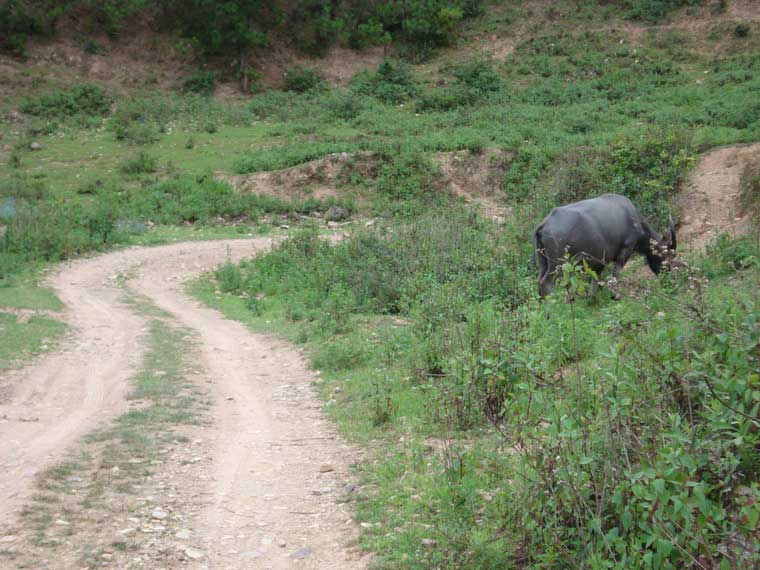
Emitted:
<point x="227" y="26"/>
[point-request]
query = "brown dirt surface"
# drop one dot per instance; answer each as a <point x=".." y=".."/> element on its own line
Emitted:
<point x="709" y="201"/>
<point x="337" y="67"/>
<point x="476" y="178"/>
<point x="256" y="488"/>
<point x="321" y="178"/>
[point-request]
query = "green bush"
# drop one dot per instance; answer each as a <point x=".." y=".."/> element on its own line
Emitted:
<point x="17" y="24"/>
<point x="140" y="119"/>
<point x="137" y="133"/>
<point x="655" y="10"/>
<point x="84" y="98"/>
<point x="205" y="200"/>
<point x="200" y="82"/>
<point x="230" y="278"/>
<point x="731" y="254"/>
<point x="749" y="196"/>
<point x="429" y="25"/>
<point x="647" y="169"/>
<point x="407" y="183"/>
<point x="446" y="98"/>
<point x="56" y="230"/>
<point x="741" y="30"/>
<point x="475" y="80"/>
<point x="141" y="163"/>
<point x="302" y="79"/>
<point x="479" y="76"/>
<point x="346" y="106"/>
<point x="391" y="82"/>
<point x="367" y="34"/>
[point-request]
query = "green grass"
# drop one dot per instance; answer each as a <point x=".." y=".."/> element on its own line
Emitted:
<point x="24" y="292"/>
<point x="20" y="342"/>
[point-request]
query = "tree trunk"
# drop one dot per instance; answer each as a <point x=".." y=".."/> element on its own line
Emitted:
<point x="244" y="81"/>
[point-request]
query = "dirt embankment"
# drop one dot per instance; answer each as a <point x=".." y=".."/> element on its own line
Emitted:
<point x="473" y="177"/>
<point x="271" y="465"/>
<point x="709" y="200"/>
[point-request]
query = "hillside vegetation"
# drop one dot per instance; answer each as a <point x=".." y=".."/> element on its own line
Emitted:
<point x="501" y="432"/>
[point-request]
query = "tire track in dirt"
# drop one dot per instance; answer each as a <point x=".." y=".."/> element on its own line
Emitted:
<point x="67" y="393"/>
<point x="267" y="499"/>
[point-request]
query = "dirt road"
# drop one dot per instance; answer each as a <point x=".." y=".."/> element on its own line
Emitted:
<point x="268" y="497"/>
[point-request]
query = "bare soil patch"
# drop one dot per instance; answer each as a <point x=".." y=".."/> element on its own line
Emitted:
<point x="322" y="178"/>
<point x="709" y="201"/>
<point x="476" y="178"/>
<point x="337" y="67"/>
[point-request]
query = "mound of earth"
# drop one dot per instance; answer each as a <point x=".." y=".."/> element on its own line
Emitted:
<point x="477" y="177"/>
<point x="474" y="177"/>
<point x="709" y="201"/>
<point x="321" y="178"/>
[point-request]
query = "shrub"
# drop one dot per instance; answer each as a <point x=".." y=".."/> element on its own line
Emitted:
<point x="446" y="98"/>
<point x="302" y="79"/>
<point x="429" y="25"/>
<point x="749" y="196"/>
<point x="314" y="26"/>
<point x="346" y="106"/>
<point x="25" y="188"/>
<point x="367" y="34"/>
<point x="730" y="254"/>
<point x="141" y="163"/>
<point x="479" y="76"/>
<point x="741" y="30"/>
<point x="407" y="182"/>
<point x="94" y="48"/>
<point x="141" y="119"/>
<point x="391" y="82"/>
<point x="647" y="169"/>
<point x="53" y="231"/>
<point x="200" y="82"/>
<point x="84" y="98"/>
<point x="17" y="24"/>
<point x="736" y="114"/>
<point x="137" y="133"/>
<point x="229" y="277"/>
<point x="655" y="10"/>
<point x="474" y="80"/>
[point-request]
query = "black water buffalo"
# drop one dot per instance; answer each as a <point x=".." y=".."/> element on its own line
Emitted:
<point x="603" y="230"/>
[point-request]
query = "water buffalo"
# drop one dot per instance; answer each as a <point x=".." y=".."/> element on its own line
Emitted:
<point x="603" y="230"/>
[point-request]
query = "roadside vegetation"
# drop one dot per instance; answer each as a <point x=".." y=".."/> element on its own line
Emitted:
<point x="581" y="432"/>
<point x="518" y="434"/>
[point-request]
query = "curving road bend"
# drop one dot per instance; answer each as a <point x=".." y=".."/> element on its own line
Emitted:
<point x="276" y="461"/>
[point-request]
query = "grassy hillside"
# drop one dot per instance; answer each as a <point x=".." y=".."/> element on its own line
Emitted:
<point x="502" y="432"/>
